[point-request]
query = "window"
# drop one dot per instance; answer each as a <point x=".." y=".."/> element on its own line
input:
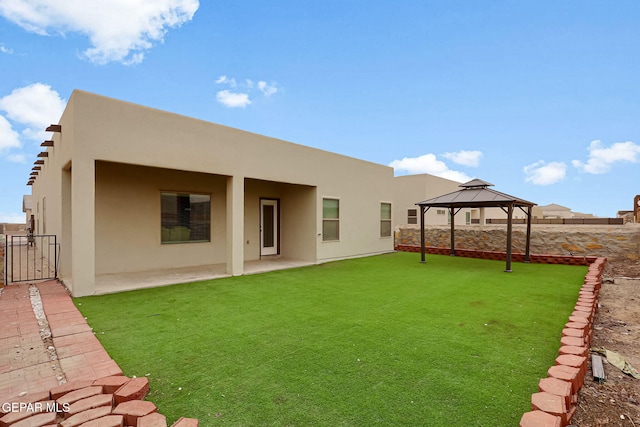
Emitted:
<point x="385" y="219"/>
<point x="185" y="217"/>
<point x="412" y="216"/>
<point x="330" y="219"/>
<point x="441" y="211"/>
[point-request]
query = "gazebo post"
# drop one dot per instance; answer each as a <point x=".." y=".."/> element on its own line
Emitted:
<point x="422" y="250"/>
<point x="509" y="229"/>
<point x="527" y="254"/>
<point x="453" y="221"/>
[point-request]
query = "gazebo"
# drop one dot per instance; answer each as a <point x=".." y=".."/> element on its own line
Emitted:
<point x="477" y="194"/>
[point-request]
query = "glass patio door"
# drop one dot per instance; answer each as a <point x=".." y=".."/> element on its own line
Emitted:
<point x="268" y="227"/>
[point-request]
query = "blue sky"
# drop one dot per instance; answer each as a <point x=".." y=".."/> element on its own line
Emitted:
<point x="540" y="98"/>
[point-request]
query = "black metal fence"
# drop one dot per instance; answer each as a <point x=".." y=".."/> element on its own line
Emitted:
<point x="31" y="257"/>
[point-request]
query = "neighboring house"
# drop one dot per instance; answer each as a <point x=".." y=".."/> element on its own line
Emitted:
<point x="27" y="207"/>
<point x="554" y="211"/>
<point x="410" y="189"/>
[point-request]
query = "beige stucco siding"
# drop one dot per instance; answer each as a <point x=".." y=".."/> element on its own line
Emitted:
<point x="118" y="131"/>
<point x="103" y="178"/>
<point x="411" y="189"/>
<point x="297" y="218"/>
<point x="128" y="227"/>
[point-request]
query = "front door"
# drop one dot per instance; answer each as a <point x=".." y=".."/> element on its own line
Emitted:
<point x="268" y="227"/>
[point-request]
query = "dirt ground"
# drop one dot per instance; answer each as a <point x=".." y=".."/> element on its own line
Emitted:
<point x="616" y="402"/>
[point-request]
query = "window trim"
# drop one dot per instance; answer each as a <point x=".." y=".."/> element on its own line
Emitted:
<point x="336" y="220"/>
<point x="386" y="220"/>
<point x="412" y="219"/>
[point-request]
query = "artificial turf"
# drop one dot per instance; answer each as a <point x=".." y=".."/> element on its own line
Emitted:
<point x="381" y="340"/>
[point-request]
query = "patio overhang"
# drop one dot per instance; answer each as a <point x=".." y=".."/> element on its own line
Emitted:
<point x="477" y="194"/>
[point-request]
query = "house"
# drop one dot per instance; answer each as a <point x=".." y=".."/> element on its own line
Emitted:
<point x="410" y="189"/>
<point x="554" y="210"/>
<point x="130" y="189"/>
<point x="27" y="207"/>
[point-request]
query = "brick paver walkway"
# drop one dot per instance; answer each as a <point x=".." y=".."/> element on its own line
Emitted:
<point x="51" y="361"/>
<point x="27" y="360"/>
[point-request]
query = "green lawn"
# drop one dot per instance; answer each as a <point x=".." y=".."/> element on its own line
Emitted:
<point x="382" y="341"/>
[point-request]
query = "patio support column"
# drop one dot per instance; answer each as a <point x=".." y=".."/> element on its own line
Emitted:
<point x="453" y="227"/>
<point x="422" y="250"/>
<point x="527" y="253"/>
<point x="509" y="230"/>
<point x="83" y="227"/>
<point x="235" y="225"/>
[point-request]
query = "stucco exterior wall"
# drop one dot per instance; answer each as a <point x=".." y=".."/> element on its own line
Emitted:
<point x="103" y="177"/>
<point x="297" y="232"/>
<point x="128" y="228"/>
<point x="411" y="189"/>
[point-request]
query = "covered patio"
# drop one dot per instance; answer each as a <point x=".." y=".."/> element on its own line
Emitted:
<point x="477" y="194"/>
<point x="112" y="283"/>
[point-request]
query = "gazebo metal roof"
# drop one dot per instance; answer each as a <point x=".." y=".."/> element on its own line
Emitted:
<point x="475" y="194"/>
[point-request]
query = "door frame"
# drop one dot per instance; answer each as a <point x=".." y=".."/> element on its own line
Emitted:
<point x="268" y="201"/>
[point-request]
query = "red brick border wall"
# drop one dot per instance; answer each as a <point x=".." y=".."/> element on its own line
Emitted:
<point x="557" y="398"/>
<point x="114" y="401"/>
<point x="502" y="256"/>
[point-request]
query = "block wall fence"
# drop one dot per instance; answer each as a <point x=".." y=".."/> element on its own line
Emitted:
<point x="566" y="244"/>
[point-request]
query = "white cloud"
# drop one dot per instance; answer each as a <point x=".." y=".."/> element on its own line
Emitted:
<point x="601" y="159"/>
<point x="4" y="49"/>
<point x="17" y="158"/>
<point x="465" y="158"/>
<point x="428" y="163"/>
<point x="243" y="92"/>
<point x="267" y="89"/>
<point x="120" y="30"/>
<point x="232" y="99"/>
<point x="9" y="138"/>
<point x="542" y="173"/>
<point x="226" y="80"/>
<point x="32" y="108"/>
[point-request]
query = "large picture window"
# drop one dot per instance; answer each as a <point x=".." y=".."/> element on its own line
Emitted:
<point x="385" y="219"/>
<point x="185" y="217"/>
<point x="330" y="219"/>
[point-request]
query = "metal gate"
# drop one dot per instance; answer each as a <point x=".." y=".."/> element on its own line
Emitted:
<point x="29" y="258"/>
